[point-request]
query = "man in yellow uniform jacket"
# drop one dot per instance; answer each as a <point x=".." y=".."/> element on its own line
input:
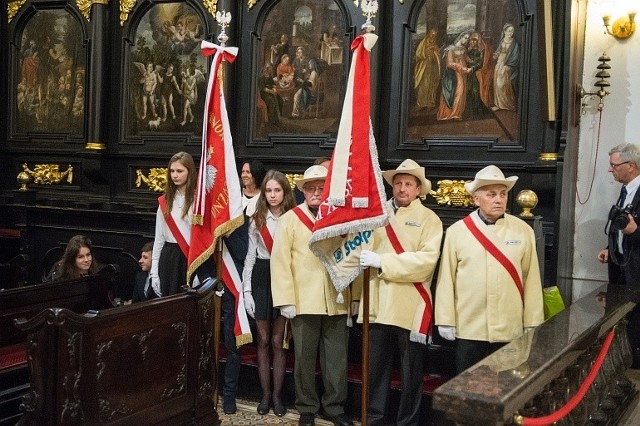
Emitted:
<point x="488" y="290"/>
<point x="404" y="256"/>
<point x="303" y="291"/>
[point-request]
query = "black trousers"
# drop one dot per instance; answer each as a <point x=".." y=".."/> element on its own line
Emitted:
<point x="469" y="352"/>
<point x="384" y="340"/>
<point x="232" y="366"/>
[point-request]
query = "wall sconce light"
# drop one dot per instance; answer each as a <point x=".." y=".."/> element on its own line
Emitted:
<point x="601" y="84"/>
<point x="619" y="25"/>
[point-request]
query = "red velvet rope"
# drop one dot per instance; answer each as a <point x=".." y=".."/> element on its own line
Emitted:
<point x="575" y="400"/>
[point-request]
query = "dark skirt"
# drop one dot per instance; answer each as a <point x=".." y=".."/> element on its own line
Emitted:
<point x="172" y="269"/>
<point x="261" y="291"/>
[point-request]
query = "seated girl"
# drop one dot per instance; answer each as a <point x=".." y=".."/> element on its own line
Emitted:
<point x="77" y="261"/>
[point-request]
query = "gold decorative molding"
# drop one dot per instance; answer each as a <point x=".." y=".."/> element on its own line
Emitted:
<point x="48" y="174"/>
<point x="292" y="177"/>
<point x="156" y="181"/>
<point x="13" y="8"/>
<point x="251" y="3"/>
<point x="95" y="146"/>
<point x="211" y="5"/>
<point x="125" y="8"/>
<point x="85" y="8"/>
<point x="548" y="156"/>
<point x="452" y="193"/>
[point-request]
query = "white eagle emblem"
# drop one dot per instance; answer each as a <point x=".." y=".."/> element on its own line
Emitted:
<point x="210" y="177"/>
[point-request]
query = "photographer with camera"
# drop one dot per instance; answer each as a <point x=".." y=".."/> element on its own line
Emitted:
<point x="623" y="252"/>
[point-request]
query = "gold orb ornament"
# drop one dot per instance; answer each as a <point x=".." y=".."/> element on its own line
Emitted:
<point x="527" y="199"/>
<point x="23" y="179"/>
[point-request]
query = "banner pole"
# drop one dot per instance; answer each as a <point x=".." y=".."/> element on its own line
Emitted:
<point x="217" y="314"/>
<point x="365" y="348"/>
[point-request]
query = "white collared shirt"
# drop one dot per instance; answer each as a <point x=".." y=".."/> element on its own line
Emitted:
<point x="632" y="188"/>
<point x="257" y="248"/>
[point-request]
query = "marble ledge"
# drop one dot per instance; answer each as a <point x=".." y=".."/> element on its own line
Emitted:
<point x="491" y="391"/>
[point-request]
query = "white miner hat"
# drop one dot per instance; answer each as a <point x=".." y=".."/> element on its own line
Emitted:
<point x="312" y="173"/>
<point x="409" y="167"/>
<point x="490" y="175"/>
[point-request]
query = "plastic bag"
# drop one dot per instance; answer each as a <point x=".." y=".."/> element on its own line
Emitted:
<point x="552" y="300"/>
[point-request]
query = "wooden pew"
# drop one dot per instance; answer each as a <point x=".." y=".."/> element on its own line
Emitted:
<point x="80" y="295"/>
<point x="146" y="363"/>
<point x="14" y="272"/>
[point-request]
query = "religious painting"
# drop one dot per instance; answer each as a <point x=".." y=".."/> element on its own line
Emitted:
<point x="51" y="79"/>
<point x="465" y="71"/>
<point x="167" y="73"/>
<point x="302" y="67"/>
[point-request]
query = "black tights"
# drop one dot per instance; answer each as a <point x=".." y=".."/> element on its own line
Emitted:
<point x="270" y="336"/>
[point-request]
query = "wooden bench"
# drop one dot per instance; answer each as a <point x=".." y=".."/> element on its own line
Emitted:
<point x="13" y="273"/>
<point x="146" y="363"/>
<point x="80" y="295"/>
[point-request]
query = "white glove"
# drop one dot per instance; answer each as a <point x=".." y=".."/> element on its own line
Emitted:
<point x="447" y="333"/>
<point x="288" y="311"/>
<point x="155" y="284"/>
<point x="355" y="306"/>
<point x="369" y="258"/>
<point x="249" y="304"/>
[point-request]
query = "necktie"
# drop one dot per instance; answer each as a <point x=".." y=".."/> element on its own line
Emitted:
<point x="147" y="287"/>
<point x="623" y="195"/>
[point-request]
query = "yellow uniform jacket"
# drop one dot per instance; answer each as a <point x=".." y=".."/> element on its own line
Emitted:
<point x="297" y="275"/>
<point x="393" y="297"/>
<point x="476" y="294"/>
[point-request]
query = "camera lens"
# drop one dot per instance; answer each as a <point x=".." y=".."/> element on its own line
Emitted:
<point x="620" y="221"/>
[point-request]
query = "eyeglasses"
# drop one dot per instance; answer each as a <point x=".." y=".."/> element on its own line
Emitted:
<point x="313" y="189"/>
<point x="613" y="165"/>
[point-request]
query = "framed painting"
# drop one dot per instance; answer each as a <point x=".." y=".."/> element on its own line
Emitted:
<point x="50" y="88"/>
<point x="465" y="71"/>
<point x="167" y="73"/>
<point x="301" y="68"/>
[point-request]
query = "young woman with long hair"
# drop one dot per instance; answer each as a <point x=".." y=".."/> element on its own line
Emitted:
<point x="276" y="197"/>
<point x="77" y="261"/>
<point x="173" y="226"/>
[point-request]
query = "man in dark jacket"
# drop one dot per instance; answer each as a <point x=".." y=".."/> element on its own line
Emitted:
<point x="623" y="251"/>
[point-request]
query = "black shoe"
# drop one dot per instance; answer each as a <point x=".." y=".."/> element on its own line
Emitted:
<point x="278" y="408"/>
<point x="341" y="420"/>
<point x="229" y="406"/>
<point x="307" y="419"/>
<point x="263" y="408"/>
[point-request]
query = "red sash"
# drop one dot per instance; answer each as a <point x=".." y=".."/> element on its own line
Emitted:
<point x="267" y="238"/>
<point x="428" y="313"/>
<point x="303" y="217"/>
<point x="173" y="227"/>
<point x="496" y="253"/>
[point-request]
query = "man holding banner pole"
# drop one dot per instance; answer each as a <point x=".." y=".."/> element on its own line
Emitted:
<point x="217" y="214"/>
<point x="302" y="290"/>
<point x="403" y="258"/>
<point x="353" y="203"/>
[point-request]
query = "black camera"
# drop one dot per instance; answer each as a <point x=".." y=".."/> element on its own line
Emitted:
<point x="618" y="216"/>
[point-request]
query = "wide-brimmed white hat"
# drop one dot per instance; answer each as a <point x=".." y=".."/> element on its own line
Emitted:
<point x="410" y="167"/>
<point x="312" y="173"/>
<point x="490" y="175"/>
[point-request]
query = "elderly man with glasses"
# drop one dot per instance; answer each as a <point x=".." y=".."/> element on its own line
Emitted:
<point x="303" y="291"/>
<point x="623" y="251"/>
